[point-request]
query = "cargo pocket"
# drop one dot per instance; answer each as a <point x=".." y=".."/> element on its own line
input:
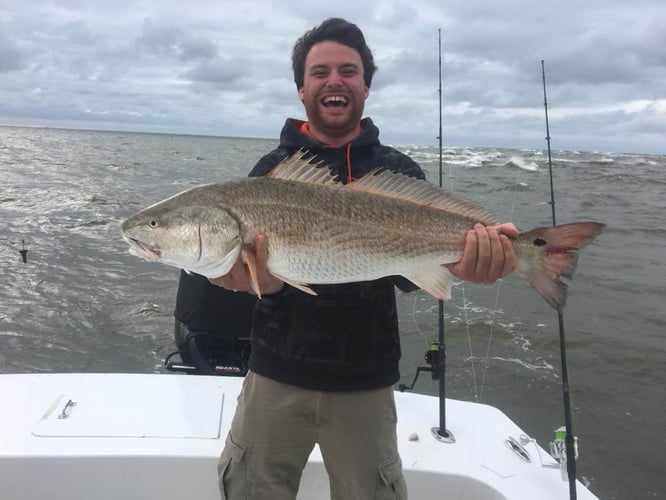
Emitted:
<point x="232" y="471"/>
<point x="391" y="483"/>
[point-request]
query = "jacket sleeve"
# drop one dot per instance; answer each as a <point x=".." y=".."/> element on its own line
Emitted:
<point x="396" y="161"/>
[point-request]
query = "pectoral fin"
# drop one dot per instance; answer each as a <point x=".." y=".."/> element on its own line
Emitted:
<point x="251" y="262"/>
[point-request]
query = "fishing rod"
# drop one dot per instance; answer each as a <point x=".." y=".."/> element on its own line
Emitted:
<point x="435" y="356"/>
<point x="569" y="455"/>
<point x="441" y="433"/>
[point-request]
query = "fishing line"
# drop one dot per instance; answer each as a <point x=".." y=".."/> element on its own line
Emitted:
<point x="422" y="334"/>
<point x="469" y="343"/>
<point x="493" y="321"/>
<point x="478" y="388"/>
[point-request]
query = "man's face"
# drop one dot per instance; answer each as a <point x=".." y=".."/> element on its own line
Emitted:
<point x="333" y="91"/>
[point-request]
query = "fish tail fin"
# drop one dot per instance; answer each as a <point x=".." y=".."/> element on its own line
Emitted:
<point x="556" y="257"/>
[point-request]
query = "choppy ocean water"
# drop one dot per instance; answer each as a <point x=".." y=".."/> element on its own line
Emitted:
<point x="81" y="303"/>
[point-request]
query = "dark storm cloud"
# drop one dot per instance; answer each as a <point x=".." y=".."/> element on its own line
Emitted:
<point x="171" y="41"/>
<point x="224" y="67"/>
<point x="219" y="72"/>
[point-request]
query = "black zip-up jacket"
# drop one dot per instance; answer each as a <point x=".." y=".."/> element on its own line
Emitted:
<point x="346" y="337"/>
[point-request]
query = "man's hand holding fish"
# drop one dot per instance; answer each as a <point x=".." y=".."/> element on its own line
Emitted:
<point x="239" y="279"/>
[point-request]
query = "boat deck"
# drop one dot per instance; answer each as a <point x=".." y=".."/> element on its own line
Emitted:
<point x="130" y="436"/>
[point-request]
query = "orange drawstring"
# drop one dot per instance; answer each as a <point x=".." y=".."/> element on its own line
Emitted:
<point x="305" y="130"/>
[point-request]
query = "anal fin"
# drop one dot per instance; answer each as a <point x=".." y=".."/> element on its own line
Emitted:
<point x="296" y="284"/>
<point x="436" y="281"/>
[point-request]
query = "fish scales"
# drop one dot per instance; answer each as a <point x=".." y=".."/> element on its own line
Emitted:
<point x="334" y="235"/>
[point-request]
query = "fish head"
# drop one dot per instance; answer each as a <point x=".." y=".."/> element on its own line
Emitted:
<point x="204" y="239"/>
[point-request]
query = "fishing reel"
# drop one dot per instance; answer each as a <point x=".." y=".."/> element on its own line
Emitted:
<point x="558" y="450"/>
<point x="435" y="362"/>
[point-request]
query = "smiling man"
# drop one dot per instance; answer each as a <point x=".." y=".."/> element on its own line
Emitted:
<point x="322" y="367"/>
<point x="333" y="92"/>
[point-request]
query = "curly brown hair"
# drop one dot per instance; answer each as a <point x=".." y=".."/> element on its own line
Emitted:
<point x="337" y="30"/>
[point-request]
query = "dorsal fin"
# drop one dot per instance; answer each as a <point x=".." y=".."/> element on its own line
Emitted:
<point x="403" y="187"/>
<point x="300" y="167"/>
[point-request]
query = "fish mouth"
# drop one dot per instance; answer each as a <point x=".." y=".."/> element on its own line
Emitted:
<point x="144" y="250"/>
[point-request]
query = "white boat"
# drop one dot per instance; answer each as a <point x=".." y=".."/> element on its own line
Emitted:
<point x="143" y="436"/>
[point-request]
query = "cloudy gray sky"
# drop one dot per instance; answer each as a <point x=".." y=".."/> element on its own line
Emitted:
<point x="223" y="68"/>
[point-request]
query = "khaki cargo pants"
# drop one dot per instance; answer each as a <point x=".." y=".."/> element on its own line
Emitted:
<point x="277" y="425"/>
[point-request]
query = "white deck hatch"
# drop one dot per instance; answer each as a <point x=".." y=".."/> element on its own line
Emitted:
<point x="149" y="411"/>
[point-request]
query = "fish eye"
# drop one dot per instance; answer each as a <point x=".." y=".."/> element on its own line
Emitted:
<point x="153" y="223"/>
